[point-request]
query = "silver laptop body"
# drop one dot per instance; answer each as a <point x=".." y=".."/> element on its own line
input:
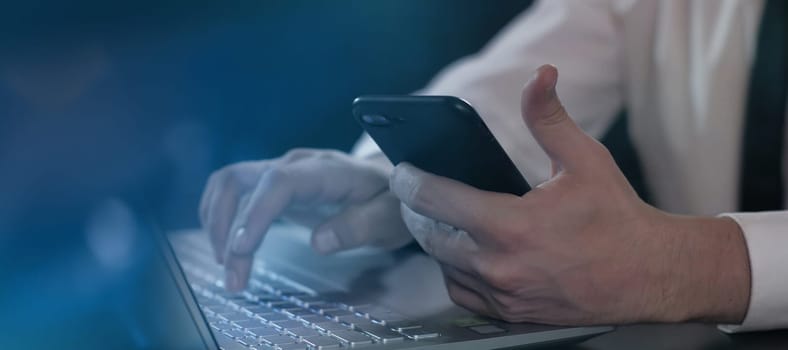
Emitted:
<point x="366" y="298"/>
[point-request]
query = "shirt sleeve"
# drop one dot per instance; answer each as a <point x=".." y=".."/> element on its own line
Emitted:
<point x="766" y="234"/>
<point x="579" y="37"/>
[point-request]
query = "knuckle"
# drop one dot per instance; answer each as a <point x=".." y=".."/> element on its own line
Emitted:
<point x="417" y="196"/>
<point x="454" y="296"/>
<point x="238" y="175"/>
<point x="434" y="244"/>
<point x="601" y="152"/>
<point x="502" y="302"/>
<point x="427" y="243"/>
<point x="329" y="154"/>
<point x="212" y="179"/>
<point x="277" y="175"/>
<point x="228" y="176"/>
<point x="454" y="292"/>
<point x="499" y="278"/>
<point x="502" y="231"/>
<point x="479" y="263"/>
<point x="505" y="307"/>
<point x="296" y="153"/>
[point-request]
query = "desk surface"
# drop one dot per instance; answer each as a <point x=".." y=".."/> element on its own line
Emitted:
<point x="683" y="336"/>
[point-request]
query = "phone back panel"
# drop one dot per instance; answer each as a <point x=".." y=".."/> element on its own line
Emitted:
<point x="442" y="135"/>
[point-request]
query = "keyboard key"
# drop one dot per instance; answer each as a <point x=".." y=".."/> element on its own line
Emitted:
<point x="241" y="304"/>
<point x="419" y="333"/>
<point x="285" y="306"/>
<point x="387" y="317"/>
<point x="303" y="332"/>
<point x="218" y="309"/>
<point x="260" y="295"/>
<point x="280" y="287"/>
<point x="258" y="309"/>
<point x="321" y="342"/>
<point x="368" y="310"/>
<point x="323" y="308"/>
<point x="221" y="325"/>
<point x="212" y="290"/>
<point x="194" y="286"/>
<point x="234" y="333"/>
<point x="272" y="317"/>
<point x="294" y="313"/>
<point x="312" y="318"/>
<point x="230" y="297"/>
<point x="247" y="340"/>
<point x="213" y="319"/>
<point x="353" y="307"/>
<point x="329" y="327"/>
<point x="402" y="325"/>
<point x="354" y="321"/>
<point x="308" y="300"/>
<point x="263" y="331"/>
<point x="293" y="346"/>
<point x="203" y="301"/>
<point x="233" y="316"/>
<point x="273" y="303"/>
<point x="248" y="323"/>
<point x="351" y="338"/>
<point x="294" y="295"/>
<point x="230" y="344"/>
<point x="336" y="314"/>
<point x="221" y="295"/>
<point x="487" y="329"/>
<point x="278" y="339"/>
<point x="382" y="334"/>
<point x="288" y="324"/>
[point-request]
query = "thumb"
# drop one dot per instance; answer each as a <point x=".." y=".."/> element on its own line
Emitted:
<point x="375" y="223"/>
<point x="563" y="141"/>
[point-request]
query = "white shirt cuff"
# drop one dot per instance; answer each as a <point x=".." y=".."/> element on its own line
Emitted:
<point x="766" y="234"/>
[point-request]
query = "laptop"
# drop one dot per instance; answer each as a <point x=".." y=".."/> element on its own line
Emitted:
<point x="367" y="298"/>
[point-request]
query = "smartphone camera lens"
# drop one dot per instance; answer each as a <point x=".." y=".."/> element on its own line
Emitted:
<point x="376" y="119"/>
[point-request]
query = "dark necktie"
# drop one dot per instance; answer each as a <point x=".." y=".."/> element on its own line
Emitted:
<point x="761" y="183"/>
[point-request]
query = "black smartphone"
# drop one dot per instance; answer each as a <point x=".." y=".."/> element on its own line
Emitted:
<point x="440" y="134"/>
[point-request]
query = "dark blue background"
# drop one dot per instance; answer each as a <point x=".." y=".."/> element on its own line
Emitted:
<point x="146" y="98"/>
<point x="113" y="113"/>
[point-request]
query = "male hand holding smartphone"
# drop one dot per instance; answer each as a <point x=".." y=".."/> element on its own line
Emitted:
<point x="442" y="135"/>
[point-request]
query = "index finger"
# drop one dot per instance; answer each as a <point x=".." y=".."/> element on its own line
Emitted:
<point x="447" y="245"/>
<point x="450" y="201"/>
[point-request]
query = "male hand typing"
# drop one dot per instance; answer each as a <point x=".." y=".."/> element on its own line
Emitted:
<point x="242" y="200"/>
<point x="579" y="249"/>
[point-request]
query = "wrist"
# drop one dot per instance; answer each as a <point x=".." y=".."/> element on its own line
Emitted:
<point x="711" y="271"/>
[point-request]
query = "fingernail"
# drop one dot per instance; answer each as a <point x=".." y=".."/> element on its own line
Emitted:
<point x="240" y="241"/>
<point x="326" y="241"/>
<point x="550" y="87"/>
<point x="533" y="77"/>
<point x="231" y="281"/>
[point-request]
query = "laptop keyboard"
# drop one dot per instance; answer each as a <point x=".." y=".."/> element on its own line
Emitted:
<point x="275" y="312"/>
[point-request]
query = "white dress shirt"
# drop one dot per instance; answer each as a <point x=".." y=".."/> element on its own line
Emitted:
<point x="680" y="68"/>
